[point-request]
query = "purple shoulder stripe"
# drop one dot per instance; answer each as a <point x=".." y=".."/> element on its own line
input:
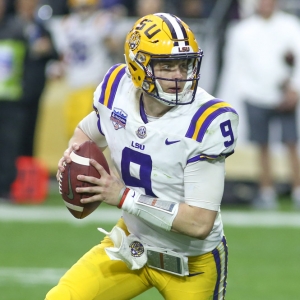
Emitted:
<point x="204" y="156"/>
<point x="198" y="114"/>
<point x="210" y="118"/>
<point x="110" y="85"/>
<point x="204" y="116"/>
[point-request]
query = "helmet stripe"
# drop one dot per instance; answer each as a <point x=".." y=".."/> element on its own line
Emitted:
<point x="176" y="28"/>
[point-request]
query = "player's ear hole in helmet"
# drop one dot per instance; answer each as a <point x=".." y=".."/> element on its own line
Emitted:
<point x="160" y="38"/>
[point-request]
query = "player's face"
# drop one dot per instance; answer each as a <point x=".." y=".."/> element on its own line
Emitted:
<point x="266" y="7"/>
<point x="171" y="69"/>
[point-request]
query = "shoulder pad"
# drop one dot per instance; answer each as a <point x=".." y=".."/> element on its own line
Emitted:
<point x="214" y="125"/>
<point x="110" y="85"/>
<point x="204" y="117"/>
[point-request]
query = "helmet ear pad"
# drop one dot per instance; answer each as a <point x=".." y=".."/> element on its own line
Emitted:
<point x="137" y="67"/>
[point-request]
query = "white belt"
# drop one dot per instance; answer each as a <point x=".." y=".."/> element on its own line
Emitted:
<point x="130" y="250"/>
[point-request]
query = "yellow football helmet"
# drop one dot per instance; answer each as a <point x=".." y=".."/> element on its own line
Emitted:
<point x="159" y="37"/>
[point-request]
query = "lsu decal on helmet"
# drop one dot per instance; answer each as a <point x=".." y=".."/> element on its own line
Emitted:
<point x="157" y="38"/>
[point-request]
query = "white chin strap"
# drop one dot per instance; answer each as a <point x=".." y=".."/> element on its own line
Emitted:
<point x="182" y="97"/>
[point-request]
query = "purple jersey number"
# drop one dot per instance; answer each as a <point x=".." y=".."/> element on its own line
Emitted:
<point x="227" y="132"/>
<point x="144" y="161"/>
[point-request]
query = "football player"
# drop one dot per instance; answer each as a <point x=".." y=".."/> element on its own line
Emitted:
<point x="168" y="140"/>
<point x="82" y="40"/>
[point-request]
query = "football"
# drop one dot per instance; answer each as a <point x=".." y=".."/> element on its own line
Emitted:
<point x="68" y="181"/>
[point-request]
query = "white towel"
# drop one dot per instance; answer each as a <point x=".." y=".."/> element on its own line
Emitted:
<point x="128" y="249"/>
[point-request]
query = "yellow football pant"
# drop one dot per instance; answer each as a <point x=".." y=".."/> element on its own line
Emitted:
<point x="79" y="103"/>
<point x="96" y="277"/>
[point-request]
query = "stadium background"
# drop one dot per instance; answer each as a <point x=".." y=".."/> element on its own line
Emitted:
<point x="242" y="168"/>
<point x="39" y="242"/>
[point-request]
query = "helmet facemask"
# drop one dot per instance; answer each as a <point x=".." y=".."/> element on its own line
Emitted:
<point x="183" y="94"/>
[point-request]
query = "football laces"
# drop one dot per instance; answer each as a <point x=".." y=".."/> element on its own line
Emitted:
<point x="60" y="179"/>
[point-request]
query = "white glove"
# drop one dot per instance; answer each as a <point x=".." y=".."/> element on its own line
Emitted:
<point x="128" y="249"/>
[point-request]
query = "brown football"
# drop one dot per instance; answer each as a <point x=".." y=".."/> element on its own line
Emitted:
<point x="80" y="166"/>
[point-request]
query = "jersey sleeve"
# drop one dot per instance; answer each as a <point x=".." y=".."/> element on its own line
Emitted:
<point x="107" y="89"/>
<point x="90" y="126"/>
<point x="204" y="183"/>
<point x="215" y="128"/>
<point x="104" y="97"/>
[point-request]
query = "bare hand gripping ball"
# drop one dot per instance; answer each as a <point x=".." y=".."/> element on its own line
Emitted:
<point x="80" y="166"/>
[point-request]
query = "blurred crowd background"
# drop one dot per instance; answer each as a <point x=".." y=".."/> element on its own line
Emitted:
<point x="53" y="54"/>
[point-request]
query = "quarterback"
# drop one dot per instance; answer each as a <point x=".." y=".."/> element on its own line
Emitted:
<point x="168" y="140"/>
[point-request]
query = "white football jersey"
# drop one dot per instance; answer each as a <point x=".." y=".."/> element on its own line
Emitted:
<point x="151" y="156"/>
<point x="82" y="44"/>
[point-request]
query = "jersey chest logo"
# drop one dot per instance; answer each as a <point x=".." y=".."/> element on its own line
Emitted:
<point x="141" y="132"/>
<point x="118" y="118"/>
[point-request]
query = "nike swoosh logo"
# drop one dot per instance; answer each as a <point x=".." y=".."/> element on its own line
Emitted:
<point x="195" y="274"/>
<point x="70" y="194"/>
<point x="167" y="142"/>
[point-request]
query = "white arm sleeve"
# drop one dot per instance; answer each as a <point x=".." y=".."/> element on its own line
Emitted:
<point x="204" y="183"/>
<point x="89" y="126"/>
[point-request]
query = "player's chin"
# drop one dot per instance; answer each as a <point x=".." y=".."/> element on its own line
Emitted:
<point x="174" y="91"/>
